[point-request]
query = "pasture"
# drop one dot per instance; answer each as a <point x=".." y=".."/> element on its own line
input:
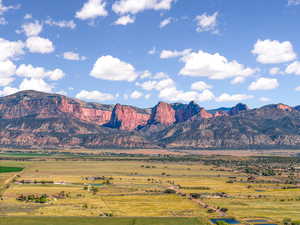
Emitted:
<point x="134" y="186"/>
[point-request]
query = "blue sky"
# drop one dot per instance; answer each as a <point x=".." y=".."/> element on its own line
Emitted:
<point x="139" y="52"/>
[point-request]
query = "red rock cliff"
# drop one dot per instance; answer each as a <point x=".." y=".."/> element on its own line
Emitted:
<point x="128" y="118"/>
<point x="163" y="113"/>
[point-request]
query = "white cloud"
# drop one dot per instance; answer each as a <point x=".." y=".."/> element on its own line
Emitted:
<point x="136" y="95"/>
<point x="272" y="52"/>
<point x="3" y="21"/>
<point x="134" y="6"/>
<point x="8" y="91"/>
<point x="39" y="45"/>
<point x="157" y="85"/>
<point x="111" y="68"/>
<point x="92" y="9"/>
<point x="4" y="8"/>
<point x="275" y="71"/>
<point x="152" y="51"/>
<point x="62" y="24"/>
<point x="207" y="22"/>
<point x="73" y="56"/>
<point x="10" y="49"/>
<point x="39" y="72"/>
<point x="213" y="66"/>
<point x="94" y="96"/>
<point x="233" y="98"/>
<point x="165" y="22"/>
<point x="31" y="29"/>
<point x="264" y="83"/>
<point x="7" y="70"/>
<point x="238" y="80"/>
<point x="293" y="2"/>
<point x="28" y="16"/>
<point x="147" y="96"/>
<point x="297" y="88"/>
<point x="166" y="54"/>
<point x="56" y="74"/>
<point x="124" y="20"/>
<point x="174" y="95"/>
<point x="264" y="99"/>
<point x="200" y="86"/>
<point x="157" y="76"/>
<point x="293" y="68"/>
<point x="36" y="84"/>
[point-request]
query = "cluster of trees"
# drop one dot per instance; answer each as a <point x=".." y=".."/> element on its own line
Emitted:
<point x="44" y="198"/>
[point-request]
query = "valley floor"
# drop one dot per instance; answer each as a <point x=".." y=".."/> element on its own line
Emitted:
<point x="194" y="187"/>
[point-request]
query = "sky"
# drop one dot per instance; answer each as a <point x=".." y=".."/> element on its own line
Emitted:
<point x="139" y="52"/>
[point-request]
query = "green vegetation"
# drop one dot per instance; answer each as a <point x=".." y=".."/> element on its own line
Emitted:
<point x="4" y="169"/>
<point x="100" y="221"/>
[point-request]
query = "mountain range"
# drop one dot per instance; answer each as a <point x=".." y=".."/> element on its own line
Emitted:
<point x="31" y="119"/>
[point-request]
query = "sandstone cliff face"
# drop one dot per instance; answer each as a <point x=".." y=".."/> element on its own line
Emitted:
<point x="163" y="113"/>
<point x="39" y="120"/>
<point x="41" y="105"/>
<point x="128" y="118"/>
<point x="92" y="114"/>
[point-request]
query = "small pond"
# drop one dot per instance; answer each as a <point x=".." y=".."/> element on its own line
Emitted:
<point x="226" y="220"/>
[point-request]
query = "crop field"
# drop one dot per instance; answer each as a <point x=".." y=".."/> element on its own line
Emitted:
<point x="134" y="187"/>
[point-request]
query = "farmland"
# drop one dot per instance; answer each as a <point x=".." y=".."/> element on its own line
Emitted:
<point x="179" y="186"/>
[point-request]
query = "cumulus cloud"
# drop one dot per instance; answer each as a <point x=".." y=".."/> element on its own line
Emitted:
<point x="8" y="91"/>
<point x="238" y="80"/>
<point x="264" y="83"/>
<point x="136" y="95"/>
<point x="111" y="68"/>
<point x="293" y="68"/>
<point x="62" y="23"/>
<point x="293" y="2"/>
<point x="36" y="84"/>
<point x="73" y="56"/>
<point x="157" y="85"/>
<point x="273" y="51"/>
<point x="124" y="20"/>
<point x="174" y="95"/>
<point x="30" y="71"/>
<point x="200" y="86"/>
<point x="275" y="71"/>
<point x="213" y="66"/>
<point x="92" y="9"/>
<point x="207" y="22"/>
<point x="39" y="45"/>
<point x="166" y="54"/>
<point x="264" y="99"/>
<point x="133" y="6"/>
<point x="225" y="97"/>
<point x="7" y="70"/>
<point x="165" y="22"/>
<point x="31" y="29"/>
<point x="152" y="51"/>
<point x="28" y="16"/>
<point x="94" y="96"/>
<point x="10" y="49"/>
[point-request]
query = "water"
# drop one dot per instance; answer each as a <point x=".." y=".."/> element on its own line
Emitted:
<point x="226" y="220"/>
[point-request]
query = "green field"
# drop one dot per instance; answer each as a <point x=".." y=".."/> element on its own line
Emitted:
<point x="6" y="169"/>
<point x="98" y="221"/>
<point x="135" y="186"/>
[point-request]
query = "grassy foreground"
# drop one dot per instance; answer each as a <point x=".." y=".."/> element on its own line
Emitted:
<point x="98" y="221"/>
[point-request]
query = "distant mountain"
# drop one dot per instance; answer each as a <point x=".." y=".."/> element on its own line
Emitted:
<point x="31" y="119"/>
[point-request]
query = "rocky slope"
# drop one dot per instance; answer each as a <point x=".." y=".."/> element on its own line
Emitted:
<point x="31" y="119"/>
